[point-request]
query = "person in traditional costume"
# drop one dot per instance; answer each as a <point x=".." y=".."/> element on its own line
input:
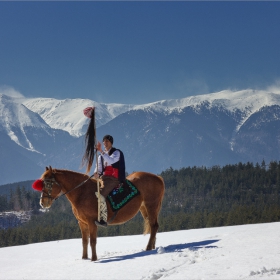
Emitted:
<point x="110" y="167"/>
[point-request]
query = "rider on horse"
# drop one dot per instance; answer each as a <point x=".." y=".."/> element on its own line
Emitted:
<point x="111" y="169"/>
<point x="110" y="165"/>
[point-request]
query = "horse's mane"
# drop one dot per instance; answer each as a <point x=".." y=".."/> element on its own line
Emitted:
<point x="90" y="141"/>
<point x="61" y="171"/>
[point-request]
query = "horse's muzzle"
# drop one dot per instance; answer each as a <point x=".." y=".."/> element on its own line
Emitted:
<point x="46" y="202"/>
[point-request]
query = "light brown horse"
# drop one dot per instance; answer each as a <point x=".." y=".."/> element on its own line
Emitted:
<point x="56" y="182"/>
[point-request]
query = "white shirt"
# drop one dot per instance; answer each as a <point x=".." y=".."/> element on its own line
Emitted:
<point x="108" y="160"/>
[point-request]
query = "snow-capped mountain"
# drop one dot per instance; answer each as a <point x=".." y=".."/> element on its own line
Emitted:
<point x="213" y="129"/>
<point x="26" y="142"/>
<point x="68" y="115"/>
<point x="15" y="117"/>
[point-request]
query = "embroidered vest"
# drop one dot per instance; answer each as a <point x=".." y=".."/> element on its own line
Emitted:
<point x="117" y="169"/>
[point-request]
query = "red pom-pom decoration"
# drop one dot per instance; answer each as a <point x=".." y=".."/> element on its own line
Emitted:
<point x="38" y="185"/>
<point x="88" y="112"/>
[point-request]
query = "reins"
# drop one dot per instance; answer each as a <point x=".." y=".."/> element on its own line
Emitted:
<point x="49" y="182"/>
<point x="53" y="180"/>
<point x="82" y="183"/>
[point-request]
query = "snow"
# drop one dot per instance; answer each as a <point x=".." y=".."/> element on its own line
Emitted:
<point x="14" y="117"/>
<point x="67" y="114"/>
<point x="13" y="113"/>
<point x="18" y="112"/>
<point x="231" y="100"/>
<point x="236" y="252"/>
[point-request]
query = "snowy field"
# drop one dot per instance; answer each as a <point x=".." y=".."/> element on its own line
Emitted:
<point x="237" y="252"/>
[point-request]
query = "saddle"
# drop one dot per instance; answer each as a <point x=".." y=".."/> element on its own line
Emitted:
<point x="121" y="195"/>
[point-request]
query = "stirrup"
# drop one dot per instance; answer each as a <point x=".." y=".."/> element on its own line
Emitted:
<point x="102" y="223"/>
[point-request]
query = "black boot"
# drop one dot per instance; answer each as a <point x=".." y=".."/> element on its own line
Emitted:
<point x="102" y="223"/>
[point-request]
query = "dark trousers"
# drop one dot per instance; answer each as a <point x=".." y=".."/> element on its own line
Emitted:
<point x="108" y="183"/>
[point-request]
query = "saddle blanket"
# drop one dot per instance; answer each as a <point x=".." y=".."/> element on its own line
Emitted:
<point x="121" y="195"/>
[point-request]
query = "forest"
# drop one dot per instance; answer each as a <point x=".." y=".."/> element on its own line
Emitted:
<point x="195" y="197"/>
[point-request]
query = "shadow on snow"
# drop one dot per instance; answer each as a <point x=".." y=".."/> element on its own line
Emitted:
<point x="168" y="249"/>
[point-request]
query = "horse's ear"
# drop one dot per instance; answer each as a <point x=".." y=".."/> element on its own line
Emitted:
<point x="50" y="168"/>
<point x="47" y="168"/>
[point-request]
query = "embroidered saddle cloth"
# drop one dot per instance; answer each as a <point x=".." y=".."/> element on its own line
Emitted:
<point x="121" y="195"/>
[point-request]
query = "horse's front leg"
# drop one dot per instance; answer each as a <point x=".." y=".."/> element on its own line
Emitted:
<point x="85" y="236"/>
<point x="93" y="239"/>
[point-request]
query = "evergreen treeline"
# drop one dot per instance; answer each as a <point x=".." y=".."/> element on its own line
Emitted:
<point x="20" y="199"/>
<point x="6" y="189"/>
<point x="221" y="196"/>
<point x="195" y="197"/>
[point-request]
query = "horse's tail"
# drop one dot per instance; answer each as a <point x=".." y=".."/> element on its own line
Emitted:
<point x="147" y="226"/>
<point x="90" y="141"/>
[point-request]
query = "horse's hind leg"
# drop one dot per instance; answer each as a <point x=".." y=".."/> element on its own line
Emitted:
<point x="152" y="242"/>
<point x="150" y="215"/>
<point x="85" y="237"/>
<point x="144" y="213"/>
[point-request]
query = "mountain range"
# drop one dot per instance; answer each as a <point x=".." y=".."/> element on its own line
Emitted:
<point x="220" y="128"/>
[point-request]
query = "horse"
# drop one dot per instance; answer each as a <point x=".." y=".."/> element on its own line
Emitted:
<point x="80" y="191"/>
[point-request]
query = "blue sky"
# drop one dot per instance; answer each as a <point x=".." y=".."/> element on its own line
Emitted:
<point x="137" y="52"/>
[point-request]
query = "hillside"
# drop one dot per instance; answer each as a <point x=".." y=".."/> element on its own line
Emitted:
<point x="194" y="198"/>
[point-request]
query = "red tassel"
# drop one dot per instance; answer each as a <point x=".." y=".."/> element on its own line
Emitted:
<point x="38" y="185"/>
<point x="88" y="112"/>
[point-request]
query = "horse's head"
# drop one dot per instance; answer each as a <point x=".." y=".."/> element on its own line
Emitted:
<point x="49" y="187"/>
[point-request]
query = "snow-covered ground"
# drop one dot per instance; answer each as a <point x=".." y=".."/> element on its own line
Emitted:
<point x="237" y="252"/>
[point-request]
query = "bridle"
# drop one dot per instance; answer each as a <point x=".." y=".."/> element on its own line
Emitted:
<point x="48" y="186"/>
